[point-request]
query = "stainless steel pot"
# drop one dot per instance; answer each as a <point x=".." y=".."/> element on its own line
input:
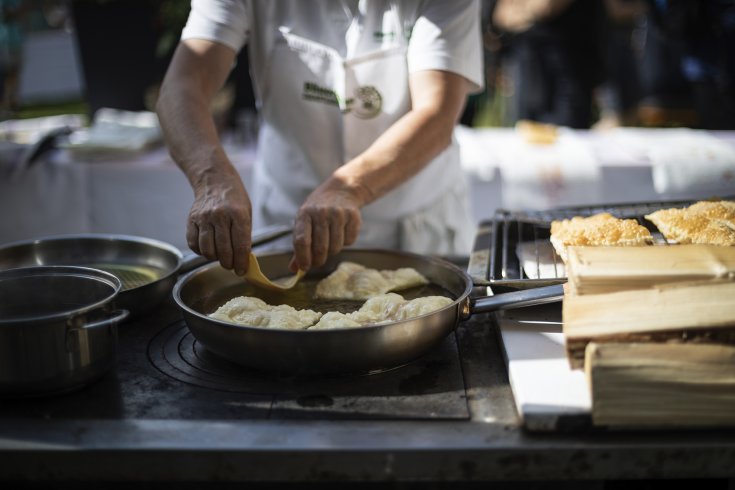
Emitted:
<point x="349" y="350"/>
<point x="147" y="268"/>
<point x="58" y="328"/>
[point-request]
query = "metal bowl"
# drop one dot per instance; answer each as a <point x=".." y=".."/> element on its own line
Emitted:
<point x="58" y="328"/>
<point x="147" y="268"/>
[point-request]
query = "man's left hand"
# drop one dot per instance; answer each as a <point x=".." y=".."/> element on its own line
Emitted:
<point x="328" y="221"/>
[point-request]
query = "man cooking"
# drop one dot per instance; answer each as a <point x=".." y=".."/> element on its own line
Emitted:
<point x="358" y="101"/>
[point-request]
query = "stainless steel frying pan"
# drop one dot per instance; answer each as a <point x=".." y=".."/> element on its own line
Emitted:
<point x="350" y="350"/>
<point x="147" y="268"/>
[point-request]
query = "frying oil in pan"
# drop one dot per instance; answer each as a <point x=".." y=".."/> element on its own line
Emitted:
<point x="302" y="297"/>
<point x="131" y="276"/>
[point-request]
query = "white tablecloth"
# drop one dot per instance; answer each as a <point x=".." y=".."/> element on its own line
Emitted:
<point x="595" y="167"/>
<point x="149" y="196"/>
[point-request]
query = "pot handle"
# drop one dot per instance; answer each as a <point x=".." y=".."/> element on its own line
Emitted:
<point x="191" y="260"/>
<point x="518" y="299"/>
<point x="117" y="316"/>
<point x="77" y="336"/>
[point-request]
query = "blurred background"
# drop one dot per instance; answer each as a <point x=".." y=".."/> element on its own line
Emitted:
<point x="77" y="56"/>
<point x="586" y="102"/>
<point x="582" y="64"/>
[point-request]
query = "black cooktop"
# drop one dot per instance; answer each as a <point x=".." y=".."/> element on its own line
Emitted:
<point x="162" y="372"/>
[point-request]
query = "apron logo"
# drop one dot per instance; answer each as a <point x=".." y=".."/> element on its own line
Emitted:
<point x="367" y="102"/>
<point x="380" y="36"/>
<point x="314" y="92"/>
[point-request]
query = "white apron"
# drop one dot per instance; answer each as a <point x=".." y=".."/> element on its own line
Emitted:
<point x="322" y="109"/>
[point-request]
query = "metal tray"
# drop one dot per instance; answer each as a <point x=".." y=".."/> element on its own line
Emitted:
<point x="512" y="250"/>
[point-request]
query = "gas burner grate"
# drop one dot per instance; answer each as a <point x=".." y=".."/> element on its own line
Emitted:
<point x="431" y="387"/>
<point x="513" y="251"/>
<point x="176" y="353"/>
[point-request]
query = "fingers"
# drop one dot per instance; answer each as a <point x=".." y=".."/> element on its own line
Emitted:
<point x="241" y="235"/>
<point x="206" y="241"/>
<point x="352" y="229"/>
<point x="320" y="233"/>
<point x="336" y="237"/>
<point x="226" y="224"/>
<point x="302" y="243"/>
<point x="223" y="243"/>
<point x="320" y="229"/>
<point x="192" y="236"/>
<point x="221" y="233"/>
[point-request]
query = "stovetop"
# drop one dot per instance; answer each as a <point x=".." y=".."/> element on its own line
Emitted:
<point x="170" y="411"/>
<point x="162" y="372"/>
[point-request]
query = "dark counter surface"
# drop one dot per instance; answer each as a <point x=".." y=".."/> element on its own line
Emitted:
<point x="182" y="416"/>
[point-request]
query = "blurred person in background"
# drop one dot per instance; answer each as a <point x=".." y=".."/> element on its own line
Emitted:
<point x="665" y="94"/>
<point x="11" y="53"/>
<point x="358" y="103"/>
<point x="493" y="108"/>
<point x="688" y="65"/>
<point x="619" y="94"/>
<point x="557" y="49"/>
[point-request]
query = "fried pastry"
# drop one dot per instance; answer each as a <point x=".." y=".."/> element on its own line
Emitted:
<point x="705" y="222"/>
<point x="537" y="133"/>
<point x="602" y="229"/>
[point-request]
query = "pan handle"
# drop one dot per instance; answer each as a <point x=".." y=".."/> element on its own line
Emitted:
<point x="116" y="316"/>
<point x="518" y="299"/>
<point x="191" y="260"/>
<point x="269" y="234"/>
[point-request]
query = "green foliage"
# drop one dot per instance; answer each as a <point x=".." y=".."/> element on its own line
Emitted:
<point x="44" y="110"/>
<point x="172" y="16"/>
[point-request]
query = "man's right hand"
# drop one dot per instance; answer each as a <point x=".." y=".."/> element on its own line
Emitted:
<point x="220" y="221"/>
<point x="219" y="224"/>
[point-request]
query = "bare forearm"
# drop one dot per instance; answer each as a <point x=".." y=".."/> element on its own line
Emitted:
<point x="411" y="143"/>
<point x="196" y="74"/>
<point x="399" y="154"/>
<point x="219" y="222"/>
<point x="191" y="135"/>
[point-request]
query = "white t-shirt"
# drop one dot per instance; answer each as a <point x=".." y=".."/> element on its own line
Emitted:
<point x="298" y="136"/>
<point x="444" y="34"/>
